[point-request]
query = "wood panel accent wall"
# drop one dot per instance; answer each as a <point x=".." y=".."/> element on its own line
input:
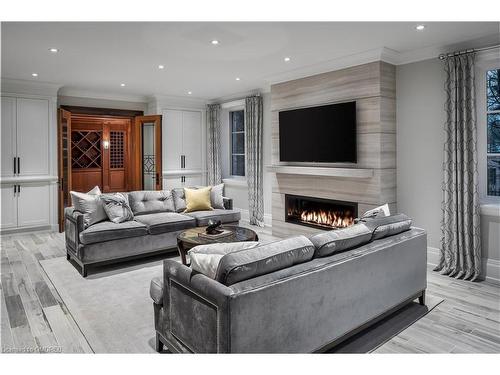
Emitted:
<point x="373" y="87"/>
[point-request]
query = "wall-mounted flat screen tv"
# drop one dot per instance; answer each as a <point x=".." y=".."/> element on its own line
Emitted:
<point x="325" y="134"/>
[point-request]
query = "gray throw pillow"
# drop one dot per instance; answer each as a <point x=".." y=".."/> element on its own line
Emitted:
<point x="216" y="196"/>
<point x="205" y="259"/>
<point x="179" y="199"/>
<point x="117" y="207"/>
<point x="90" y="205"/>
<point x="336" y="240"/>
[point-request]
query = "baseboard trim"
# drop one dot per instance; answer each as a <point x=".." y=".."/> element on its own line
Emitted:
<point x="490" y="267"/>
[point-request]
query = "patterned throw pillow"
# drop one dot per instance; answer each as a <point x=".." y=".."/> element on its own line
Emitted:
<point x="117" y="207"/>
<point x="90" y="205"/>
<point x="216" y="196"/>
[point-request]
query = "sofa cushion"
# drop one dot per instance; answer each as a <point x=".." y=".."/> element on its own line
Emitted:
<point x="163" y="222"/>
<point x="156" y="290"/>
<point x="117" y="207"/>
<point x="198" y="199"/>
<point x="90" y="205"/>
<point x="382" y="227"/>
<point x="225" y="216"/>
<point x="108" y="231"/>
<point x="205" y="259"/>
<point x="148" y="202"/>
<point x="249" y="263"/>
<point x="336" y="240"/>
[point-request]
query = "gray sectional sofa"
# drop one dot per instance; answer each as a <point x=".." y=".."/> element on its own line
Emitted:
<point x="296" y="295"/>
<point x="158" y="219"/>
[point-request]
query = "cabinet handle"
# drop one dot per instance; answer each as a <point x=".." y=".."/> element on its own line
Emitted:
<point x="15" y="169"/>
<point x="15" y="190"/>
<point x="181" y="161"/>
<point x="18" y="165"/>
<point x="19" y="190"/>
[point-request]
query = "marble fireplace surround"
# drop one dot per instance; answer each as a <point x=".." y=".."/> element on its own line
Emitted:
<point x="372" y="180"/>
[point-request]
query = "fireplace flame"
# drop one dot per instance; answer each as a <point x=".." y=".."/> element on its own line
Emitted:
<point x="328" y="218"/>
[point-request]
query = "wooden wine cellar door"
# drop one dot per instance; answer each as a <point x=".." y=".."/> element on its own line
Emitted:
<point x="64" y="163"/>
<point x="100" y="150"/>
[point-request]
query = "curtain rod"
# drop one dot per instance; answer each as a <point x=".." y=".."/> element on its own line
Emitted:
<point x="446" y="55"/>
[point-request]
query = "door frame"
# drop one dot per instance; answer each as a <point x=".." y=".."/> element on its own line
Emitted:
<point x="137" y="177"/>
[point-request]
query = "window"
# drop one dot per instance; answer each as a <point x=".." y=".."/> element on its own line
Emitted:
<point x="237" y="124"/>
<point x="493" y="131"/>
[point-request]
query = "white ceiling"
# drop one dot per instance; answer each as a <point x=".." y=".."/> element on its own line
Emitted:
<point x="99" y="56"/>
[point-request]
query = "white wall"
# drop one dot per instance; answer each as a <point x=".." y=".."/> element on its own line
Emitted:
<point x="238" y="189"/>
<point x="420" y="138"/>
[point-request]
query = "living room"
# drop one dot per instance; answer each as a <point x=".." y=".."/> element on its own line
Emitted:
<point x="250" y="187"/>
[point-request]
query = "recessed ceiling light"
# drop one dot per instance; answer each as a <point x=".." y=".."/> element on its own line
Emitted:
<point x="420" y="27"/>
<point x="287" y="59"/>
<point x="215" y="42"/>
<point x="237" y="78"/>
<point x="34" y="74"/>
<point x="53" y="50"/>
<point x="122" y="84"/>
<point x="161" y="66"/>
<point x="189" y="92"/>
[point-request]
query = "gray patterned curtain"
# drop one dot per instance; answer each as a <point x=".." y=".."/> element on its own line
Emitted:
<point x="460" y="226"/>
<point x="213" y="147"/>
<point x="254" y="161"/>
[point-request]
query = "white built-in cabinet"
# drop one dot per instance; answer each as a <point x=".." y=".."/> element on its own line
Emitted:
<point x="182" y="142"/>
<point x="26" y="183"/>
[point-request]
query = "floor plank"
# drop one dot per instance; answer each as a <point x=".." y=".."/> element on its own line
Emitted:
<point x="468" y="321"/>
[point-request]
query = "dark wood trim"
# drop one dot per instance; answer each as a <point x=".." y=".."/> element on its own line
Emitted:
<point x="72" y="257"/>
<point x="104" y="112"/>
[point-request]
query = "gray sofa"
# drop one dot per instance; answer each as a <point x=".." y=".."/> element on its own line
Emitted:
<point x="158" y="219"/>
<point x="312" y="303"/>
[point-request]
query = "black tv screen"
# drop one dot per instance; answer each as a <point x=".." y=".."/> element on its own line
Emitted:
<point x="325" y="134"/>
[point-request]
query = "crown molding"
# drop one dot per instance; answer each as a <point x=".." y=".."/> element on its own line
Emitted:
<point x="166" y="101"/>
<point x="20" y="86"/>
<point x="377" y="54"/>
<point x="81" y="93"/>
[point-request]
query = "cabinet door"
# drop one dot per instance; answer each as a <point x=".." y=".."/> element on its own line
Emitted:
<point x="191" y="136"/>
<point x="8" y="206"/>
<point x="172" y="140"/>
<point x="193" y="180"/>
<point x="33" y="136"/>
<point x="8" y="135"/>
<point x="172" y="182"/>
<point x="33" y="205"/>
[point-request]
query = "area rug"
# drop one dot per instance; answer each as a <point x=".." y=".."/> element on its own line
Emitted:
<point x="113" y="309"/>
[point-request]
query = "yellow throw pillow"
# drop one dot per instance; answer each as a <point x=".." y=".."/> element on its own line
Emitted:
<point x="198" y="199"/>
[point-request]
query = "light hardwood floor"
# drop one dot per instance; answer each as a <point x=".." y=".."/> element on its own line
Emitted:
<point x="35" y="319"/>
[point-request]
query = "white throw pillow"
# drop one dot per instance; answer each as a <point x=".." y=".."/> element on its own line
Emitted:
<point x="90" y="205"/>
<point x="205" y="259"/>
<point x="380" y="211"/>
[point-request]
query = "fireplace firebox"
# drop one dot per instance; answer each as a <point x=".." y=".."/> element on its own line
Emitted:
<point x="319" y="213"/>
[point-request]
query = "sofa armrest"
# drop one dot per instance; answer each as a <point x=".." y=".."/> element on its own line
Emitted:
<point x="228" y="203"/>
<point x="156" y="290"/>
<point x="195" y="306"/>
<point x="73" y="226"/>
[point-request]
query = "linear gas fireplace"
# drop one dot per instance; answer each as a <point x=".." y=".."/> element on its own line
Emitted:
<point x="319" y="213"/>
